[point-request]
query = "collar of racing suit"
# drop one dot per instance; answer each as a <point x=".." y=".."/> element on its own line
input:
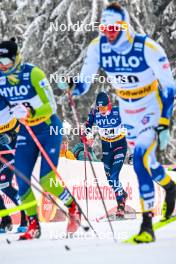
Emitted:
<point x="125" y="42"/>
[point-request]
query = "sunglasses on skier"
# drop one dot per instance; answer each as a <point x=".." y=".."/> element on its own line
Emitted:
<point x="102" y="108"/>
<point x="5" y="61"/>
<point x="118" y="26"/>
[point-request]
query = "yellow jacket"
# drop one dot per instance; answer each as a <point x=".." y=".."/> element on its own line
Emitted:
<point x="67" y="154"/>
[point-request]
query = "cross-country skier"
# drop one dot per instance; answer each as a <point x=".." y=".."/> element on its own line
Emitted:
<point x="139" y="71"/>
<point x="107" y="120"/>
<point x="8" y="133"/>
<point x="27" y="90"/>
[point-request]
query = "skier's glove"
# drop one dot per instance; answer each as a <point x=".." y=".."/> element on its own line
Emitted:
<point x="83" y="135"/>
<point x="66" y="84"/>
<point x="63" y="85"/>
<point x="83" y="139"/>
<point x="7" y="138"/>
<point x="163" y="136"/>
<point x="20" y="111"/>
<point x="130" y="159"/>
<point x="76" y="92"/>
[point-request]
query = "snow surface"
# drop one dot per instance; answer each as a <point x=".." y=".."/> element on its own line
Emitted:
<point x="51" y="247"/>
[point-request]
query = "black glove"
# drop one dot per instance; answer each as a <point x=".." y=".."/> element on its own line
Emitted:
<point x="7" y="138"/>
<point x="130" y="159"/>
<point x="163" y="136"/>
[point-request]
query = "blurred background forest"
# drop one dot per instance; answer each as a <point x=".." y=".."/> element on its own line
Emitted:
<point x="62" y="52"/>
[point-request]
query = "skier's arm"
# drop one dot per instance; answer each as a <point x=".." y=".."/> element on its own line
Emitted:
<point x="45" y="93"/>
<point x="158" y="61"/>
<point x="89" y="69"/>
<point x="90" y="121"/>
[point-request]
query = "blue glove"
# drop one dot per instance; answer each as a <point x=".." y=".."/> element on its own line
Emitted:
<point x="163" y="136"/>
<point x="76" y="92"/>
<point x="5" y="139"/>
<point x="79" y="89"/>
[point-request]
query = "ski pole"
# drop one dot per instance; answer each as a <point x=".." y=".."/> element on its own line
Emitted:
<point x="71" y="102"/>
<point x="88" y="155"/>
<point x="73" y="107"/>
<point x="24" y="178"/>
<point x="6" y="152"/>
<point x="98" y="186"/>
<point x="85" y="183"/>
<point x="56" y="172"/>
<point x="17" y="208"/>
<point x="48" y="196"/>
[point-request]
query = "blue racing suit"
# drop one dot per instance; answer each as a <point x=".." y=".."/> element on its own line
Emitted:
<point x="28" y="85"/>
<point x="114" y="145"/>
<point x="9" y="126"/>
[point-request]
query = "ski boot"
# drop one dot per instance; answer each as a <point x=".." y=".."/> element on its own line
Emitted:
<point x="146" y="234"/>
<point x="169" y="203"/>
<point x="120" y="214"/>
<point x="74" y="219"/>
<point x="6" y="224"/>
<point x="33" y="230"/>
<point x="22" y="228"/>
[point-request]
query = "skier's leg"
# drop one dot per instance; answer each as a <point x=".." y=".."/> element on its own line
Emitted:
<point x="160" y="176"/>
<point x="12" y="193"/>
<point x="6" y="221"/>
<point x="107" y="158"/>
<point x="48" y="177"/>
<point x="25" y="159"/>
<point x="6" y="187"/>
<point x="2" y="205"/>
<point x="119" y="154"/>
<point x="142" y="151"/>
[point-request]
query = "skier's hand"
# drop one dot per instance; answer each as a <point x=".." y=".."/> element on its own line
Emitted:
<point x="130" y="159"/>
<point x="20" y="112"/>
<point x="84" y="139"/>
<point x="5" y="139"/>
<point x="75" y="92"/>
<point x="63" y="85"/>
<point x="66" y="84"/>
<point x="163" y="136"/>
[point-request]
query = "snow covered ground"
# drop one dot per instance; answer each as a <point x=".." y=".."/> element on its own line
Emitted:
<point x="52" y="248"/>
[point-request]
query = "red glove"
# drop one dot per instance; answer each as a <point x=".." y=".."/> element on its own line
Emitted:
<point x="84" y="139"/>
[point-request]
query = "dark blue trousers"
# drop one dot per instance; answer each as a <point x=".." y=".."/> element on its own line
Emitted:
<point x="113" y="158"/>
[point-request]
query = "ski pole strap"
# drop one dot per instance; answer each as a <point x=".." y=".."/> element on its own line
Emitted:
<point x="17" y="208"/>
